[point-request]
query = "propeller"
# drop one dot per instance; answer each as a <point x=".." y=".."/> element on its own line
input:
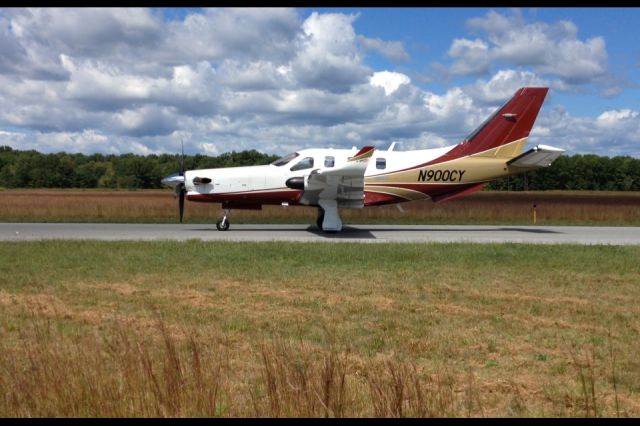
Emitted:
<point x="181" y="191"/>
<point x="176" y="181"/>
<point x="180" y="187"/>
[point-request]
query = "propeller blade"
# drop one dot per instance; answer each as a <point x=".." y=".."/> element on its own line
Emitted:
<point x="182" y="158"/>
<point x="181" y="201"/>
<point x="180" y="188"/>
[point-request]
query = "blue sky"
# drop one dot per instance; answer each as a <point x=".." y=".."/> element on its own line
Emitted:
<point x="141" y="80"/>
<point x="427" y="34"/>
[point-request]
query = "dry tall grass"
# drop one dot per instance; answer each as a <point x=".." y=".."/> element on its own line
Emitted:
<point x="254" y="329"/>
<point x="621" y="208"/>
<point x="130" y="373"/>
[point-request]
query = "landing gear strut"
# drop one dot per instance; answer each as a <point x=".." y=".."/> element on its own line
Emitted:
<point x="328" y="217"/>
<point x="223" y="223"/>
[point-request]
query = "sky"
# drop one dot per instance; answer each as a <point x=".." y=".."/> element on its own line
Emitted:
<point x="140" y="80"/>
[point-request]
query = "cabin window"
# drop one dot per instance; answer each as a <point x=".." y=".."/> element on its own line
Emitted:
<point x="305" y="163"/>
<point x="286" y="159"/>
<point x="329" y="161"/>
<point x="381" y="163"/>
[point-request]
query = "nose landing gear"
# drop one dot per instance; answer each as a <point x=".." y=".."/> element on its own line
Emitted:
<point x="223" y="223"/>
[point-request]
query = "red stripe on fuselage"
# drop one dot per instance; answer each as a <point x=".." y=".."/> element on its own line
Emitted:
<point x="372" y="198"/>
<point x="432" y="190"/>
<point x="249" y="197"/>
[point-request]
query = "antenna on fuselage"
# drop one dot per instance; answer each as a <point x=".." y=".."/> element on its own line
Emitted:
<point x="393" y="145"/>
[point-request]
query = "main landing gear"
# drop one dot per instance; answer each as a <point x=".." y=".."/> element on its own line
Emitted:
<point x="328" y="218"/>
<point x="223" y="223"/>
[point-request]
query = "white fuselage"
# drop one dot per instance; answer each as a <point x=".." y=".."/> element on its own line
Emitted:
<point x="267" y="184"/>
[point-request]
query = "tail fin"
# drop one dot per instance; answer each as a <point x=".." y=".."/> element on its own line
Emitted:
<point x="510" y="123"/>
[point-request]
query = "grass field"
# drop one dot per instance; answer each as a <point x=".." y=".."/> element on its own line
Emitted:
<point x="285" y="329"/>
<point x="159" y="206"/>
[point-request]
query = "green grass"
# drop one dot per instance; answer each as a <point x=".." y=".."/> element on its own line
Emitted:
<point x="491" y="329"/>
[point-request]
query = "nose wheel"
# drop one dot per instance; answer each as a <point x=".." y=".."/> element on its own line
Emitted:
<point x="223" y="223"/>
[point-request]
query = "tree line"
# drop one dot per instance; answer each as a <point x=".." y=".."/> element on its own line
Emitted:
<point x="578" y="172"/>
<point x="32" y="169"/>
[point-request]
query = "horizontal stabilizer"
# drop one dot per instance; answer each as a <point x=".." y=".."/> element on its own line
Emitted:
<point x="539" y="156"/>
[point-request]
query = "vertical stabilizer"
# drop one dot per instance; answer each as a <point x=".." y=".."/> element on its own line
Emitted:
<point x="504" y="133"/>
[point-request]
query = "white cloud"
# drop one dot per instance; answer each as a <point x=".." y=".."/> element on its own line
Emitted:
<point x="87" y="30"/>
<point x="550" y="49"/>
<point x="256" y="33"/>
<point x="97" y="82"/>
<point x="46" y="33"/>
<point x="149" y="120"/>
<point x="615" y="117"/>
<point x="254" y="76"/>
<point x="472" y="57"/>
<point x="612" y="133"/>
<point x="393" y="50"/>
<point x="442" y="105"/>
<point x="88" y="141"/>
<point x="328" y="57"/>
<point x="92" y="81"/>
<point x="503" y="85"/>
<point x="577" y="62"/>
<point x="389" y="81"/>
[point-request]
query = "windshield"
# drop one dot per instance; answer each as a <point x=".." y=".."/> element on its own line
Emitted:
<point x="305" y="163"/>
<point x="284" y="160"/>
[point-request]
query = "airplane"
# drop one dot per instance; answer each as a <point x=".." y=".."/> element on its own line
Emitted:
<point x="332" y="179"/>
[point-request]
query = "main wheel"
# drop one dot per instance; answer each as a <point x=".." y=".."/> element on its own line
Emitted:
<point x="221" y="226"/>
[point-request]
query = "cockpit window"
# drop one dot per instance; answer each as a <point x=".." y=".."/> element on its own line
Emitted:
<point x="305" y="163"/>
<point x="286" y="159"/>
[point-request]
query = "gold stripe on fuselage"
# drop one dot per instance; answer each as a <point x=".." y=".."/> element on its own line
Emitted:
<point x="480" y="167"/>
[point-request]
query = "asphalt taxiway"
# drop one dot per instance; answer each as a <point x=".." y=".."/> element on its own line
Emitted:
<point x="310" y="233"/>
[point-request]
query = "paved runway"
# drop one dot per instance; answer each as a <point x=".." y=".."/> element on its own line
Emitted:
<point x="309" y="233"/>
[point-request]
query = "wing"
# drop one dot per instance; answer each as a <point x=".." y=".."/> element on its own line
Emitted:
<point x="344" y="184"/>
